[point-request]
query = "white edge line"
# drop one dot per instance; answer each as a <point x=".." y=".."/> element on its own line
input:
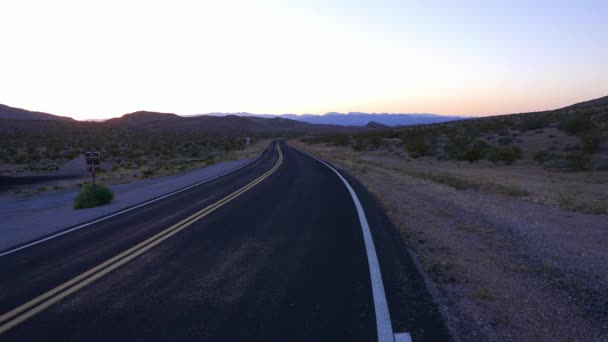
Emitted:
<point x="383" y="318"/>
<point x="127" y="210"/>
<point x="403" y="337"/>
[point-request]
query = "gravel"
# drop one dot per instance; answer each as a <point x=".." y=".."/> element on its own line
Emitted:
<point x="27" y="218"/>
<point x="500" y="268"/>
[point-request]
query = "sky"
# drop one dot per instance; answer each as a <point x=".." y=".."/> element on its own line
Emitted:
<point x="100" y="59"/>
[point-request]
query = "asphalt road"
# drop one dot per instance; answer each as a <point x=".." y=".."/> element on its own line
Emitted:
<point x="271" y="252"/>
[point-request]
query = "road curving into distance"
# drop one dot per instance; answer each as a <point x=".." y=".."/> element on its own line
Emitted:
<point x="278" y="250"/>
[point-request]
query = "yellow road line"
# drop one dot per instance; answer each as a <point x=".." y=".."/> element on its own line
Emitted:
<point x="38" y="304"/>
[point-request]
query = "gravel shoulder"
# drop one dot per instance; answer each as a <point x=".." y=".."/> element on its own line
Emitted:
<point x="25" y="218"/>
<point x="501" y="268"/>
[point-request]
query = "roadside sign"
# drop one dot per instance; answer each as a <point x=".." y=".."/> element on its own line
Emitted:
<point x="92" y="157"/>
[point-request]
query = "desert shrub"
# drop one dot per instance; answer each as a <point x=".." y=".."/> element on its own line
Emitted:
<point x="359" y="145"/>
<point x="148" y="173"/>
<point x="474" y="151"/>
<point x="90" y="196"/>
<point x="532" y="123"/>
<point x="21" y="159"/>
<point x="504" y="154"/>
<point x="210" y="159"/>
<point x="417" y="146"/>
<point x="544" y="156"/>
<point x="504" y="141"/>
<point x="599" y="164"/>
<point x="558" y="164"/>
<point x="592" y="139"/>
<point x="576" y="125"/>
<point x="340" y="140"/>
<point x="456" y="146"/>
<point x="512" y="190"/>
<point x="577" y="160"/>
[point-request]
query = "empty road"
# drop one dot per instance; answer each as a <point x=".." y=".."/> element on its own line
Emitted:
<point x="275" y="251"/>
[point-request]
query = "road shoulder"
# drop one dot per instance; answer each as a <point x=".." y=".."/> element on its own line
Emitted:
<point x="28" y="218"/>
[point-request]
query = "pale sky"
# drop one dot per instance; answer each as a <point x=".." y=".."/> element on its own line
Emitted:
<point x="100" y="59"/>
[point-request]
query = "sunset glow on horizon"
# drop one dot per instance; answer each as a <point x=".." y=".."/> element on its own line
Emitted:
<point x="101" y="59"/>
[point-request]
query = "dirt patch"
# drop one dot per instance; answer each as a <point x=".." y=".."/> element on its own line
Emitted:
<point x="502" y="264"/>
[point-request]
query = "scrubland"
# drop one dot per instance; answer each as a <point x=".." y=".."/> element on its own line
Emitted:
<point x="505" y="216"/>
<point x="56" y="148"/>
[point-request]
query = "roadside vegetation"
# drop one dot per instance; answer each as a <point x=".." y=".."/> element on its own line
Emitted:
<point x="93" y="196"/>
<point x="45" y="146"/>
<point x="570" y="139"/>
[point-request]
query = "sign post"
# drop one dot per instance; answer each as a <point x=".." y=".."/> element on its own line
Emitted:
<point x="93" y="158"/>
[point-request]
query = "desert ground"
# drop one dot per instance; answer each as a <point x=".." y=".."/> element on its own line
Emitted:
<point x="510" y="252"/>
<point x="120" y="169"/>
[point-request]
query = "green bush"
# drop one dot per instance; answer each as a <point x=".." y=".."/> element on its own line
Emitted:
<point x="560" y="164"/>
<point x="474" y="151"/>
<point x="148" y="173"/>
<point x="533" y="123"/>
<point x="91" y="197"/>
<point x="578" y="160"/>
<point x="359" y="145"/>
<point x="575" y="125"/>
<point x="599" y="164"/>
<point x="417" y="147"/>
<point x="592" y="140"/>
<point x="504" y="141"/>
<point x="544" y="156"/>
<point x="505" y="154"/>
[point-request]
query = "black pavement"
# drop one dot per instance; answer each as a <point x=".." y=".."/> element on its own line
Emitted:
<point x="284" y="261"/>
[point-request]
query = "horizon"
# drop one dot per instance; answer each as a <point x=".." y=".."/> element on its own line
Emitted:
<point x="101" y="60"/>
<point x="186" y="115"/>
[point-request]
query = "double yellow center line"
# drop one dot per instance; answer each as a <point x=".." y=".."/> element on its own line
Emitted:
<point x="40" y="303"/>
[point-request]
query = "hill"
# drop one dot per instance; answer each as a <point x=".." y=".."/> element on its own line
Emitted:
<point x="356" y="118"/>
<point x="374" y="124"/>
<point x="142" y="143"/>
<point x="229" y="124"/>
<point x="570" y="138"/>
<point x="13" y="113"/>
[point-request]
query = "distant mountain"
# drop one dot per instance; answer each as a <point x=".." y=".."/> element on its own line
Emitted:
<point x="357" y="118"/>
<point x="218" y="124"/>
<point x="144" y="117"/>
<point x="374" y="124"/>
<point x="13" y="113"/>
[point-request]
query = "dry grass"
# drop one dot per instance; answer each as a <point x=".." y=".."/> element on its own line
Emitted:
<point x="458" y="221"/>
<point x="585" y="191"/>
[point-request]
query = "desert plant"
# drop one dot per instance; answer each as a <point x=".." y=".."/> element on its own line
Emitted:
<point x="533" y="123"/>
<point x="417" y="146"/>
<point x="577" y="161"/>
<point x="599" y="164"/>
<point x="474" y="152"/>
<point x="575" y="125"/>
<point x="148" y="173"/>
<point x="592" y="139"/>
<point x="505" y="154"/>
<point x="90" y="196"/>
<point x="504" y="141"/>
<point x="544" y="156"/>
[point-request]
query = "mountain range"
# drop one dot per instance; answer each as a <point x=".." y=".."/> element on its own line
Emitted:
<point x="332" y="118"/>
<point x="356" y="118"/>
<point x="229" y="124"/>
